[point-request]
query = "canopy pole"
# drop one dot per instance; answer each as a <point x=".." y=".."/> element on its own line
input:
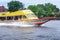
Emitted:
<point x="6" y="18"/>
<point x="19" y="19"/>
<point x="13" y="18"/>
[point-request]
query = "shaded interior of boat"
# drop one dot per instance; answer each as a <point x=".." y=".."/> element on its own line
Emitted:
<point x="13" y="17"/>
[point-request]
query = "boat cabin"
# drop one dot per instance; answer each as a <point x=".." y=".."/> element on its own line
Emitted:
<point x="17" y="15"/>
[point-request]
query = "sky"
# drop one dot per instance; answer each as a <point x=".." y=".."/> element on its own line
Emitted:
<point x="32" y="2"/>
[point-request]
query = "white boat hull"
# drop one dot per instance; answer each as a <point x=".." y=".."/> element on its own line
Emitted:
<point x="20" y="24"/>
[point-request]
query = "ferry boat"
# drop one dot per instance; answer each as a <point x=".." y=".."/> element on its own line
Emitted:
<point x="20" y="18"/>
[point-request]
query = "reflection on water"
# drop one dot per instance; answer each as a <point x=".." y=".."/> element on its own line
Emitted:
<point x="29" y="33"/>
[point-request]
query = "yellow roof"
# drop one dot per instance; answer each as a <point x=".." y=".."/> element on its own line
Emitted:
<point x="17" y="13"/>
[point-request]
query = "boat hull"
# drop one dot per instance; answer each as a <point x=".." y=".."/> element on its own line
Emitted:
<point x="15" y="24"/>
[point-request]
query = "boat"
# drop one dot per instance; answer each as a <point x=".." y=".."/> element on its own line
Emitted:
<point x="22" y="18"/>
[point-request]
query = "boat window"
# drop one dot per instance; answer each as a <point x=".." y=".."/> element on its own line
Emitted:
<point x="24" y="17"/>
<point x="9" y="18"/>
<point x="2" y="18"/>
<point x="16" y="18"/>
<point x="20" y="16"/>
<point x="31" y="15"/>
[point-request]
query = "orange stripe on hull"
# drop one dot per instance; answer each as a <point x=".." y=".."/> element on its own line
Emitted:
<point x="39" y="23"/>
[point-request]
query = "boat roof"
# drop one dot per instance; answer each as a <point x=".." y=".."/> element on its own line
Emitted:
<point x="16" y="13"/>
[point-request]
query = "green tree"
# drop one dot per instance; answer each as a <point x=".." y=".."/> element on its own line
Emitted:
<point x="44" y="10"/>
<point x="15" y="6"/>
<point x="37" y="10"/>
<point x="49" y="9"/>
<point x="40" y="10"/>
<point x="57" y="15"/>
<point x="33" y="8"/>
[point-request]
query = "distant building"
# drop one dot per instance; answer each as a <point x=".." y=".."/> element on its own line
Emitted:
<point x="3" y="9"/>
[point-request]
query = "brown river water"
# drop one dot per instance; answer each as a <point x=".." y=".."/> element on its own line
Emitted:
<point x="29" y="33"/>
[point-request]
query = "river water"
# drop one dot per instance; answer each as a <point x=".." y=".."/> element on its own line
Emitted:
<point x="29" y="33"/>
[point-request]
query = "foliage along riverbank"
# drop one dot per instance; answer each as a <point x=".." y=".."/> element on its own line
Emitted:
<point x="40" y="10"/>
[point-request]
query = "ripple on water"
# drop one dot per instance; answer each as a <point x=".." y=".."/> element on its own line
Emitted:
<point x="33" y="33"/>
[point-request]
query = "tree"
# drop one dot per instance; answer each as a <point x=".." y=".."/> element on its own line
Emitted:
<point x="44" y="10"/>
<point x="49" y="9"/>
<point x="33" y="8"/>
<point x="15" y="6"/>
<point x="37" y="9"/>
<point x="57" y="15"/>
<point x="40" y="10"/>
